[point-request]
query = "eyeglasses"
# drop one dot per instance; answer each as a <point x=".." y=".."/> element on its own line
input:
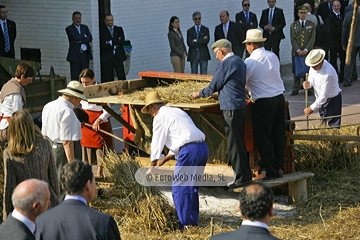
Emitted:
<point x="246" y="5"/>
<point x="199" y="18"/>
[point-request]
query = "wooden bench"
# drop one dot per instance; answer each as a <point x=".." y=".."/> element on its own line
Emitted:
<point x="297" y="184"/>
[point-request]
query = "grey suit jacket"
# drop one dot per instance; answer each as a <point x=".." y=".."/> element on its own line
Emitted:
<point x="201" y="43"/>
<point x="346" y="30"/>
<point x="246" y="233"/>
<point x="177" y="45"/>
<point x="72" y="219"/>
<point x="13" y="229"/>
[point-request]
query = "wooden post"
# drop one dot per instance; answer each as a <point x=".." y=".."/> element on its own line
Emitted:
<point x="352" y="32"/>
<point x="298" y="191"/>
<point x="307" y="99"/>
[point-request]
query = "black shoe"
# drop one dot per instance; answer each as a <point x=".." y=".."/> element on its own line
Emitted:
<point x="294" y="93"/>
<point x="238" y="185"/>
<point x="310" y="93"/>
<point x="347" y="84"/>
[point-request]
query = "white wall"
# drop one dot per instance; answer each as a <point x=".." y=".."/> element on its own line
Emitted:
<point x="41" y="24"/>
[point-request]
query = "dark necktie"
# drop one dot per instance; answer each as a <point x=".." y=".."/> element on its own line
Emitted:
<point x="197" y="32"/>
<point x="270" y="20"/>
<point x="338" y="16"/>
<point x="6" y="37"/>
<point x="302" y="24"/>
<point x="111" y="31"/>
<point x="247" y="17"/>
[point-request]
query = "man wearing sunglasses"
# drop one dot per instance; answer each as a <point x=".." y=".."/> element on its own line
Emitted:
<point x="247" y="20"/>
<point x="198" y="38"/>
<point x="7" y="35"/>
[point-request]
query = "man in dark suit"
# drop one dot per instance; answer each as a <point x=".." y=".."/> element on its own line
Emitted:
<point x="198" y="38"/>
<point x="79" y="53"/>
<point x="112" y="50"/>
<point x="247" y="20"/>
<point x="256" y="207"/>
<point x="334" y="24"/>
<point x="30" y="199"/>
<point x="7" y="34"/>
<point x="324" y="9"/>
<point x="231" y="31"/>
<point x="73" y="219"/>
<point x="272" y="21"/>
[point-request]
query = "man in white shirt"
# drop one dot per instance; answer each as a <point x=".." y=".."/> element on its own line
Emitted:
<point x="173" y="128"/>
<point x="61" y="126"/>
<point x="324" y="79"/>
<point x="266" y="89"/>
<point x="13" y="98"/>
<point x="256" y="207"/>
<point x="30" y="199"/>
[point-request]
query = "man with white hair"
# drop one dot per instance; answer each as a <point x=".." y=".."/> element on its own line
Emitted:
<point x="30" y="198"/>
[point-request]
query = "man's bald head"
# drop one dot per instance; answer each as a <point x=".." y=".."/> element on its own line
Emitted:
<point x="256" y="202"/>
<point x="31" y="197"/>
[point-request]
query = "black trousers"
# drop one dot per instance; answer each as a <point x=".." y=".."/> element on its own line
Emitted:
<point x="269" y="132"/>
<point x="234" y="124"/>
<point x="334" y="51"/>
<point x="107" y="70"/>
<point x="332" y="107"/>
<point x="272" y="44"/>
<point x="77" y="67"/>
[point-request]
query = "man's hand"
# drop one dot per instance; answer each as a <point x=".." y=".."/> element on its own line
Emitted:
<point x="308" y="111"/>
<point x="161" y="162"/>
<point x="306" y="84"/>
<point x="194" y="95"/>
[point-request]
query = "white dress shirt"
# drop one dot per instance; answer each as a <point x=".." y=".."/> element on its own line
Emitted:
<point x="75" y="197"/>
<point x="59" y="122"/>
<point x="96" y="108"/>
<point x="28" y="223"/>
<point x="2" y="24"/>
<point x="255" y="224"/>
<point x="263" y="78"/>
<point x="172" y="127"/>
<point x="11" y="104"/>
<point x="325" y="84"/>
<point x="83" y="46"/>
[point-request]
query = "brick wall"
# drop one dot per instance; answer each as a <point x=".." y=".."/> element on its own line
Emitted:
<point x="41" y="24"/>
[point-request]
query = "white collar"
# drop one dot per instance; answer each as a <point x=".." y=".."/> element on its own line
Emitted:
<point x="75" y="197"/>
<point x="197" y="26"/>
<point x="255" y="224"/>
<point x="336" y="12"/>
<point x="228" y="55"/>
<point x="2" y="22"/>
<point x="272" y="8"/>
<point x="28" y="223"/>
<point x="226" y="24"/>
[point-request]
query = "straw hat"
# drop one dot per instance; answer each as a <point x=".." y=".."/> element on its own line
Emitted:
<point x="151" y="98"/>
<point x="74" y="88"/>
<point x="314" y="57"/>
<point x="254" y="35"/>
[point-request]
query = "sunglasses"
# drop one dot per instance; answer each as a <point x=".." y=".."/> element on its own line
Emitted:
<point x="246" y="5"/>
<point x="197" y="18"/>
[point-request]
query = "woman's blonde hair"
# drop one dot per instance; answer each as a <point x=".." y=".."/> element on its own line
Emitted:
<point x="22" y="133"/>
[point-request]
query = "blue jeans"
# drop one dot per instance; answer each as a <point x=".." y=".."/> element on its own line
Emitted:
<point x="194" y="64"/>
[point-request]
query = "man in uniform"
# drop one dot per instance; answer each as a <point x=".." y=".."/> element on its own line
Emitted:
<point x="302" y="36"/>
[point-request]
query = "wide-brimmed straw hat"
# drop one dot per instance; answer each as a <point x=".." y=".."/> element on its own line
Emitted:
<point x="314" y="57"/>
<point x="74" y="88"/>
<point x="151" y="98"/>
<point x="254" y="35"/>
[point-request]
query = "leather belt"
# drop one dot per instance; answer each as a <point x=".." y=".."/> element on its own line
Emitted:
<point x="186" y="144"/>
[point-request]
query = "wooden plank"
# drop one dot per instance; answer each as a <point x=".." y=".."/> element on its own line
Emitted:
<point x="105" y="89"/>
<point x="298" y="191"/>
<point x="177" y="76"/>
<point x="119" y="119"/>
<point x="325" y="137"/>
<point x="287" y="178"/>
<point x="213" y="124"/>
<point x="141" y="83"/>
<point x="119" y="100"/>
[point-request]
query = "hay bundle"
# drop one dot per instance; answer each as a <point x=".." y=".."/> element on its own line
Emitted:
<point x="177" y="92"/>
<point x="323" y="157"/>
<point x="139" y="208"/>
